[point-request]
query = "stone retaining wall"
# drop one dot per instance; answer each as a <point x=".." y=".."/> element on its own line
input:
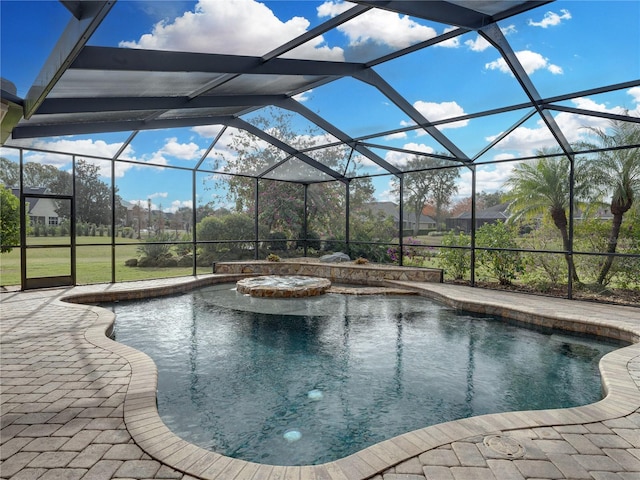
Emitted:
<point x="347" y="272"/>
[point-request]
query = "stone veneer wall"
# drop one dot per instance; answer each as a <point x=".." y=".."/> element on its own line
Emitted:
<point x="349" y="273"/>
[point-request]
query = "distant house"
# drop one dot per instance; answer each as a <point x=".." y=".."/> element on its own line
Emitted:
<point x="490" y="215"/>
<point x="129" y="218"/>
<point x="41" y="211"/>
<point x="391" y="209"/>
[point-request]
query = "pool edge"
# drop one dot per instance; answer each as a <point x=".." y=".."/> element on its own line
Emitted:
<point x="151" y="435"/>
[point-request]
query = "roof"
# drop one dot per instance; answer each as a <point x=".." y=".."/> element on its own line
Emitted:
<point x="31" y="201"/>
<point x="496" y="212"/>
<point x="88" y="88"/>
<point x="392" y="209"/>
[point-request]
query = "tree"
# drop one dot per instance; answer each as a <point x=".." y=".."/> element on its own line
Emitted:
<point x="488" y="200"/>
<point x="455" y="261"/>
<point x="9" y="220"/>
<point x="281" y="203"/>
<point x="443" y="188"/>
<point x="500" y="260"/>
<point x="616" y="172"/>
<point x="542" y="186"/>
<point x="9" y="173"/>
<point x="429" y="183"/>
<point x="35" y="175"/>
<point x="92" y="195"/>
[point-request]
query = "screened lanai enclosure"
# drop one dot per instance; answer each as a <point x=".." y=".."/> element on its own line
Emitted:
<point x="495" y="140"/>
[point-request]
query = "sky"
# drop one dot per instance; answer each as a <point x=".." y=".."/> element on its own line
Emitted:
<point x="565" y="46"/>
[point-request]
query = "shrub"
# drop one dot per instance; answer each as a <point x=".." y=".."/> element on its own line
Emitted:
<point x="313" y="240"/>
<point x="155" y="251"/>
<point x="147" y="262"/>
<point x="544" y="269"/>
<point x="183" y="249"/>
<point x="361" y="261"/>
<point x="167" y="262"/>
<point x="503" y="265"/>
<point x="185" y="261"/>
<point x="455" y="261"/>
<point x="132" y="262"/>
<point x="9" y="219"/>
<point x="273" y="258"/>
<point x="277" y="241"/>
<point x="332" y="244"/>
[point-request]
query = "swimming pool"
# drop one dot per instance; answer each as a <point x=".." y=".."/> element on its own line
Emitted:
<point x="320" y="378"/>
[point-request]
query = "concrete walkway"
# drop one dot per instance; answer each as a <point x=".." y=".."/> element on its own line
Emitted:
<point x="76" y="405"/>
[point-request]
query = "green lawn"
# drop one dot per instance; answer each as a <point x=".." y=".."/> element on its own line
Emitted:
<point x="93" y="262"/>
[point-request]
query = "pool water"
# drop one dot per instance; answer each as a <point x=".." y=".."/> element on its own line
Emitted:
<point x="307" y="381"/>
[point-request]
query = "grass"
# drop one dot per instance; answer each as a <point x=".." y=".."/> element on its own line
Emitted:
<point x="93" y="261"/>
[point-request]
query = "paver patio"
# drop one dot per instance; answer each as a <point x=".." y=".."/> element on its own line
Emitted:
<point x="76" y="405"/>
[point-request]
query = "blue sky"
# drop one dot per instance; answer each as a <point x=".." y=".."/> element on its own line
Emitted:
<point x="565" y="46"/>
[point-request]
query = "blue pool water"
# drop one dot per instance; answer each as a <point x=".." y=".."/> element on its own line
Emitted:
<point x="306" y="381"/>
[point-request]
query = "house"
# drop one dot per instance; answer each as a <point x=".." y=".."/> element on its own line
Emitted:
<point x="391" y="209"/>
<point x="41" y="211"/>
<point x="490" y="215"/>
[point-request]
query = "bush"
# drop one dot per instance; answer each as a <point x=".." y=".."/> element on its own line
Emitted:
<point x="544" y="269"/>
<point x="147" y="262"/>
<point x="132" y="262"/>
<point x="156" y="251"/>
<point x="205" y="259"/>
<point x="183" y="249"/>
<point x="185" y="261"/>
<point x="503" y="265"/>
<point x="277" y="241"/>
<point x="332" y="244"/>
<point x="375" y="253"/>
<point x="167" y="262"/>
<point x="455" y="261"/>
<point x="313" y="240"/>
<point x="273" y="258"/>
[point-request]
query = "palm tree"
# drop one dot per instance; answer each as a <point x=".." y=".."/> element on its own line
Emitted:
<point x="539" y="187"/>
<point x="616" y="171"/>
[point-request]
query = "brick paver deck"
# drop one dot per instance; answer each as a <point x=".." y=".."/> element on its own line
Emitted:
<point x="76" y="405"/>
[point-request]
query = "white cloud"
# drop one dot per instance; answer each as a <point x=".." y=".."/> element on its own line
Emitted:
<point x="551" y="19"/>
<point x="480" y="44"/>
<point x="489" y="179"/>
<point x="177" y="205"/>
<point x="241" y="27"/>
<point x="477" y="45"/>
<point x="141" y="203"/>
<point x="400" y="159"/>
<point x="159" y="195"/>
<point x="98" y="148"/>
<point x="528" y="140"/>
<point x="378" y="26"/>
<point x="95" y="148"/>
<point x="208" y="131"/>
<point x="531" y="61"/>
<point x="396" y="136"/>
<point x="303" y="97"/>
<point x="439" y="111"/>
<point x="332" y="9"/>
<point x="452" y="42"/>
<point x="182" y="151"/>
<point x="635" y="94"/>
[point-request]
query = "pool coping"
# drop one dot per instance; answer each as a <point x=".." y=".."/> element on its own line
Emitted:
<point x="151" y="434"/>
